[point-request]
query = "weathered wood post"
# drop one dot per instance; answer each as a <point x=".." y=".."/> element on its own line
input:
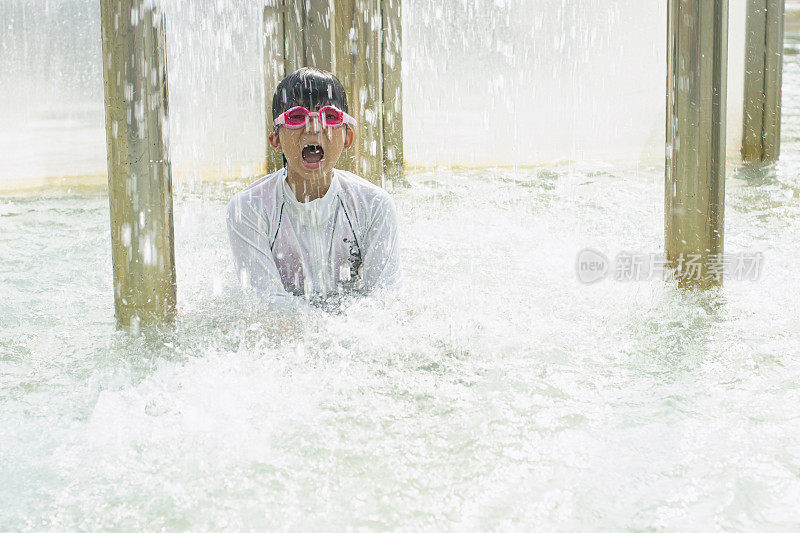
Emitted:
<point x="139" y="173"/>
<point x="762" y="80"/>
<point x="697" y="47"/>
<point x="358" y="59"/>
<point x="391" y="11"/>
<point x="360" y="42"/>
<point x="274" y="70"/>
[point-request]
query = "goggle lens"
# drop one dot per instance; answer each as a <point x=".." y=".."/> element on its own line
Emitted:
<point x="331" y="116"/>
<point x="297" y="117"/>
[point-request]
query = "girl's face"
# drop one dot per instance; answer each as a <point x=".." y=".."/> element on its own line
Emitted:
<point x="311" y="151"/>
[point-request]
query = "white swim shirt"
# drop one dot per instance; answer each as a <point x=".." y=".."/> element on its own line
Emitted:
<point x="345" y="242"/>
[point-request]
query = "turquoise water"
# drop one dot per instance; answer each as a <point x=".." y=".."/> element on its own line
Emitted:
<point x="510" y="396"/>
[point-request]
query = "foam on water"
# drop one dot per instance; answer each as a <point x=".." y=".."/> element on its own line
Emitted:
<point x="511" y="395"/>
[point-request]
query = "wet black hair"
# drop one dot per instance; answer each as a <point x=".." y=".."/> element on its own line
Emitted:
<point x="309" y="87"/>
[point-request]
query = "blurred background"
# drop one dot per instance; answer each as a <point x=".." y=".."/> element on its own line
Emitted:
<point x="486" y="82"/>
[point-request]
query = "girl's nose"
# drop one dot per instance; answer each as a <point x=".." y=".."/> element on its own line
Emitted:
<point x="313" y="124"/>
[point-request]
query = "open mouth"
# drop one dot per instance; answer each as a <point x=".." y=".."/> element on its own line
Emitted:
<point x="313" y="154"/>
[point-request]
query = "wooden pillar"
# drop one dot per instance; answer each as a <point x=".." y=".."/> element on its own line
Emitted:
<point x="360" y="42"/>
<point x="393" y="163"/>
<point x="139" y="174"/>
<point x="762" y="80"/>
<point x="274" y="70"/>
<point x="294" y="43"/>
<point x="358" y="58"/>
<point x="319" y="34"/>
<point x="695" y="157"/>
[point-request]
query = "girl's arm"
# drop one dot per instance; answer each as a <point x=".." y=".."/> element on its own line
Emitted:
<point x="382" y="257"/>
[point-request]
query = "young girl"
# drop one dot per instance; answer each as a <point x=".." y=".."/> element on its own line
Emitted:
<point x="309" y="230"/>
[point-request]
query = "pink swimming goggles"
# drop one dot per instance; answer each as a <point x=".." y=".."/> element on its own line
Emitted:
<point x="298" y="116"/>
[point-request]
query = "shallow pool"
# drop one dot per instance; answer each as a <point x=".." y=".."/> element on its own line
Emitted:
<point x="499" y="392"/>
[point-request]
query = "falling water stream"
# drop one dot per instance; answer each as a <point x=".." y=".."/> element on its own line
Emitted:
<point x="498" y="392"/>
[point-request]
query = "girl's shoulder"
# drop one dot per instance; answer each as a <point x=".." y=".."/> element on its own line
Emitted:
<point x="365" y="201"/>
<point x="262" y="193"/>
<point x="264" y="185"/>
<point x="258" y="199"/>
<point x="359" y="189"/>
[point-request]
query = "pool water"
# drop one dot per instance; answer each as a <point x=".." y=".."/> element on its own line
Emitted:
<point x="499" y="391"/>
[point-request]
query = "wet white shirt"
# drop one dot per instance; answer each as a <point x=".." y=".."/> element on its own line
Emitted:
<point x="347" y="241"/>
